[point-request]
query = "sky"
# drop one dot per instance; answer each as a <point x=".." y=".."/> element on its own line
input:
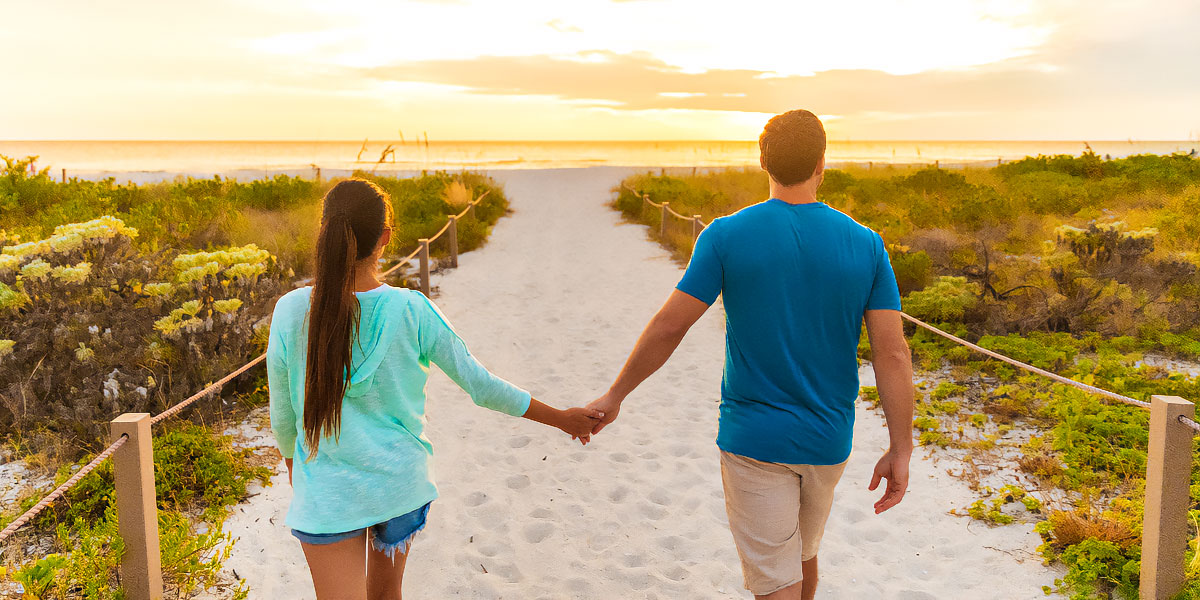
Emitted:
<point x="598" y="69"/>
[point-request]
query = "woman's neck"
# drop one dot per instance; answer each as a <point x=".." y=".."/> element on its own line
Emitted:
<point x="366" y="277"/>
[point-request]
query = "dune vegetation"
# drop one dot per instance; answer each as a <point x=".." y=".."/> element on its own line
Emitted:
<point x="129" y="298"/>
<point x="1080" y="265"/>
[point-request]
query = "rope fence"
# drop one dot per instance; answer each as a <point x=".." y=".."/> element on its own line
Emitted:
<point x="33" y="511"/>
<point x="1168" y="457"/>
<point x="1190" y="423"/>
<point x="672" y="211"/>
<point x="147" y="565"/>
<point x="1032" y="369"/>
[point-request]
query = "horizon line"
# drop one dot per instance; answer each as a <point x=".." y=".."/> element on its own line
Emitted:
<point x="419" y="141"/>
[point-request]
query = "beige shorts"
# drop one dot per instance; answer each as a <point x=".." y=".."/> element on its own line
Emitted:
<point x="777" y="514"/>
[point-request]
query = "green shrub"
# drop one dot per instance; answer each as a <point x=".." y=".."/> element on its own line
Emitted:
<point x="121" y="330"/>
<point x="948" y="299"/>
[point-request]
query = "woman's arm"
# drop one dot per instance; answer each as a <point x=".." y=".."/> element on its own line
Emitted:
<point x="283" y="416"/>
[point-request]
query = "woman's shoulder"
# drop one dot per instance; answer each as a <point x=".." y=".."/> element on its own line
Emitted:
<point x="295" y="301"/>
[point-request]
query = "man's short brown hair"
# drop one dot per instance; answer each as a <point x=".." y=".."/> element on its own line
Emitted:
<point x="791" y="146"/>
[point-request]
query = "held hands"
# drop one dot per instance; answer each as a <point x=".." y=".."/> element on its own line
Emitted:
<point x="579" y="422"/>
<point x="609" y="406"/>
<point x="893" y="467"/>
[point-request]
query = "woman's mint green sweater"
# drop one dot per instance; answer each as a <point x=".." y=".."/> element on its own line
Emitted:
<point x="379" y="467"/>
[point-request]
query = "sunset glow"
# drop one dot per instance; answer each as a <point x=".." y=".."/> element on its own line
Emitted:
<point x="599" y="69"/>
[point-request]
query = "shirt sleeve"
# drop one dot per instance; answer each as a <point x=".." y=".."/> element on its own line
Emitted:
<point x="444" y="348"/>
<point x="705" y="275"/>
<point x="885" y="295"/>
<point x="283" y="415"/>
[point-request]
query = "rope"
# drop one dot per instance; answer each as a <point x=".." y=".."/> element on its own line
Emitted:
<point x="437" y="235"/>
<point x="402" y="262"/>
<point x="62" y="489"/>
<point x="678" y="215"/>
<point x="1190" y="423"/>
<point x="474" y="202"/>
<point x="652" y="203"/>
<point x="1016" y="363"/>
<point x="174" y="410"/>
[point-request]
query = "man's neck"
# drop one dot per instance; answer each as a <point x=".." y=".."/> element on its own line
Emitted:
<point x="794" y="194"/>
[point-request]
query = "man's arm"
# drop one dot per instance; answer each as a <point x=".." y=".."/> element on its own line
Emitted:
<point x="892" y="362"/>
<point x="660" y="338"/>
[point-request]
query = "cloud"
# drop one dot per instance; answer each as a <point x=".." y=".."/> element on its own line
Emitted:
<point x="1142" y="74"/>
<point x="560" y="25"/>
<point x="638" y="81"/>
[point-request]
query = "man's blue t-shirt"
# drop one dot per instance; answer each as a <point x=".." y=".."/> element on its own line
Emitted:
<point x="796" y="279"/>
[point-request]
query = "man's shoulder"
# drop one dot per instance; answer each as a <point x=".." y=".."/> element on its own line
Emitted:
<point x="850" y="223"/>
<point x="743" y="218"/>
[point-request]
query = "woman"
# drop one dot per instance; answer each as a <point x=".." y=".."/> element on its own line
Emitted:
<point x="347" y="364"/>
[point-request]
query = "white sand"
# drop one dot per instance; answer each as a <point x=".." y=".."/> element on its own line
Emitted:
<point x="554" y="302"/>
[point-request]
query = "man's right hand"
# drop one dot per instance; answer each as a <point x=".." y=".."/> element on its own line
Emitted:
<point x="894" y="468"/>
<point x="608" y="404"/>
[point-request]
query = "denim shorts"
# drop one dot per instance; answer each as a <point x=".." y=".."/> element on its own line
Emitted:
<point x="389" y="537"/>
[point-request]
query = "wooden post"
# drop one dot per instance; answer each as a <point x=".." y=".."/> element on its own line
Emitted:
<point x="696" y="228"/>
<point x="645" y="202"/>
<point x="471" y="210"/>
<point x="424" y="256"/>
<point x="1168" y="474"/>
<point x="662" y="226"/>
<point x="453" y="233"/>
<point x="64" y="174"/>
<point x="137" y="508"/>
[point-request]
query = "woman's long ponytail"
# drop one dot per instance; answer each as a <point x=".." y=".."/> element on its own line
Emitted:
<point x="353" y="219"/>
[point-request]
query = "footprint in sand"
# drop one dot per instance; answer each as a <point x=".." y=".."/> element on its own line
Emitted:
<point x="618" y="494"/>
<point x="853" y="515"/>
<point x="475" y="499"/>
<point x="541" y="513"/>
<point x="517" y="482"/>
<point x="519" y="441"/>
<point x="660" y="497"/>
<point x="579" y="587"/>
<point x="652" y="512"/>
<point x="619" y="457"/>
<point x="536" y="532"/>
<point x="875" y="535"/>
<point x="676" y="573"/>
<point x="506" y="571"/>
<point x="601" y="542"/>
<point x="638" y="580"/>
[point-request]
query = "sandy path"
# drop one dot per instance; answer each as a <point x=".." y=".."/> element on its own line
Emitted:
<point x="554" y="302"/>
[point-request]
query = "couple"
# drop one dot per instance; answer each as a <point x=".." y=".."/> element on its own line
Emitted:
<point x="348" y="360"/>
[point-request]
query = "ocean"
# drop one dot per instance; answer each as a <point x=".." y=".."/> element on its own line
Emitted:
<point x="143" y="161"/>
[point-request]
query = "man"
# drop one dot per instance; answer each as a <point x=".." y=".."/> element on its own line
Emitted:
<point x="798" y="280"/>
